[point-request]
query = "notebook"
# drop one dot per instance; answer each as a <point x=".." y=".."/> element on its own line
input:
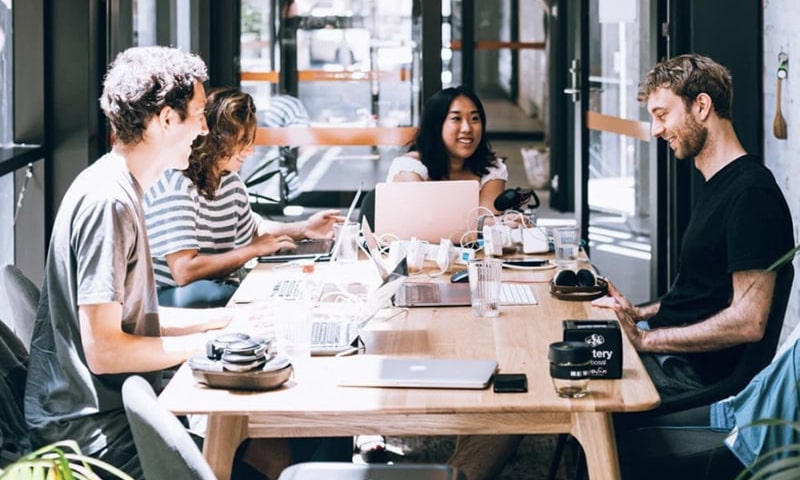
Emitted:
<point x="316" y="249"/>
<point x="426" y="210"/>
<point x="377" y="371"/>
<point x="439" y="294"/>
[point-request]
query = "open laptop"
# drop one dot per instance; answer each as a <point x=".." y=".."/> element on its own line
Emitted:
<point x="336" y="326"/>
<point x="439" y="294"/>
<point x="377" y="371"/>
<point x="426" y="210"/>
<point x="316" y="249"/>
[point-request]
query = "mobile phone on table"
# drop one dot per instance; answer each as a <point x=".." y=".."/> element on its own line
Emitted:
<point x="510" y="383"/>
<point x="525" y="262"/>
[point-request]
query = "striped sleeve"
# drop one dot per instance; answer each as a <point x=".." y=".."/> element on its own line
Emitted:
<point x="284" y="111"/>
<point x="233" y="195"/>
<point x="171" y="219"/>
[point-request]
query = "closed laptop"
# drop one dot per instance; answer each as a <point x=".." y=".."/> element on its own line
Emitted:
<point x="406" y="372"/>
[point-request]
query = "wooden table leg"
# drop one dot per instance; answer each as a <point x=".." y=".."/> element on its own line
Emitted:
<point x="595" y="432"/>
<point x="223" y="436"/>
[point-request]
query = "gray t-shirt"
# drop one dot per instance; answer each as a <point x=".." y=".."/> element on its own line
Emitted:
<point x="98" y="254"/>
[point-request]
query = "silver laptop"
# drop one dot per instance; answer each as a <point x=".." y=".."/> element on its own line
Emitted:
<point x="376" y="371"/>
<point x="439" y="294"/>
<point x="368" y="471"/>
<point x="336" y="326"/>
<point x="426" y="210"/>
<point x="316" y="249"/>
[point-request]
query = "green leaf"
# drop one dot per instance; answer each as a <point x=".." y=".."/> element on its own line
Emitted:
<point x="784" y="259"/>
<point x="59" y="461"/>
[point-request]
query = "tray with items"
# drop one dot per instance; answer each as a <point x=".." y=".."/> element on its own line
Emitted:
<point x="240" y="362"/>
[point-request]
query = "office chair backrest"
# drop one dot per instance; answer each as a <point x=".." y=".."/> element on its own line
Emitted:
<point x="367" y="208"/>
<point x="756" y="355"/>
<point x="165" y="448"/>
<point x="19" y="298"/>
<point x="370" y="471"/>
<point x="14" y="439"/>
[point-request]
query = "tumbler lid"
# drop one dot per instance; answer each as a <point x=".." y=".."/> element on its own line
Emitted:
<point x="570" y="352"/>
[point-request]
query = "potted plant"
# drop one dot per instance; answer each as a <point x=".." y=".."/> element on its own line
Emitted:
<point x="63" y="461"/>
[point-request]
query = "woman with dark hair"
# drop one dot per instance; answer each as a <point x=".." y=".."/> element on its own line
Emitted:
<point x="199" y="222"/>
<point x="451" y="145"/>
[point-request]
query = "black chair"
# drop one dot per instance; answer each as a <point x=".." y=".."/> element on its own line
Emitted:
<point x="684" y="445"/>
<point x="14" y="438"/>
<point x="19" y="298"/>
<point x="756" y="356"/>
<point x="681" y="446"/>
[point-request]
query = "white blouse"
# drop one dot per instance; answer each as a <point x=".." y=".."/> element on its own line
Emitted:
<point x="411" y="164"/>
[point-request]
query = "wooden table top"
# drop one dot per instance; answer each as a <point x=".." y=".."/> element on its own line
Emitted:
<point x="518" y="339"/>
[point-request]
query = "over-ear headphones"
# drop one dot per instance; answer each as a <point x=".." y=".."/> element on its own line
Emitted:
<point x="582" y="285"/>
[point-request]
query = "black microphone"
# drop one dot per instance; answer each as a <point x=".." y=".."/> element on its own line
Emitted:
<point x="514" y="199"/>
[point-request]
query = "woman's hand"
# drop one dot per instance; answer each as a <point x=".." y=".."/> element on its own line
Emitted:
<point x="320" y="225"/>
<point x="269" y="244"/>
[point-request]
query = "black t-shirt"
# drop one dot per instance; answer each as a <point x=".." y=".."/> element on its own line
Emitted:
<point x="740" y="222"/>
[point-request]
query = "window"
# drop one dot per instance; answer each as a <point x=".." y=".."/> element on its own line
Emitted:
<point x="6" y="135"/>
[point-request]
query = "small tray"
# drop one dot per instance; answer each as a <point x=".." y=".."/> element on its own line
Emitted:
<point x="272" y="375"/>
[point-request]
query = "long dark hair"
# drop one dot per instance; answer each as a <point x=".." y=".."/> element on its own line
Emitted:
<point x="231" y="119"/>
<point x="430" y="146"/>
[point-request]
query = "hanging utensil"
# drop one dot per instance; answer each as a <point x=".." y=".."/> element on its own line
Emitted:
<point x="779" y="124"/>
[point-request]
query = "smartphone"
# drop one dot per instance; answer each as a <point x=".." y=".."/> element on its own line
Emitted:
<point x="524" y="262"/>
<point x="510" y="383"/>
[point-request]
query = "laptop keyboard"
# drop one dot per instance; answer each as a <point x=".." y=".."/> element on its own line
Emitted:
<point x="517" y="294"/>
<point x="287" y="289"/>
<point x="325" y="333"/>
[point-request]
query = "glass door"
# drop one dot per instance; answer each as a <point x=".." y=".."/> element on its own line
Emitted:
<point x="344" y="64"/>
<point x="498" y="50"/>
<point x="610" y="49"/>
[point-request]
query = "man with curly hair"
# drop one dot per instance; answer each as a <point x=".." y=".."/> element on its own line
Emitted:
<point x="98" y="319"/>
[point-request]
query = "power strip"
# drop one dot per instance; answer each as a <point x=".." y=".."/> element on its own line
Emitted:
<point x="495" y="238"/>
<point x="465" y="255"/>
<point x="534" y="240"/>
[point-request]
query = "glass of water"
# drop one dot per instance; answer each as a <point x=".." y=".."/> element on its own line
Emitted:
<point x="566" y="241"/>
<point x="484" y="286"/>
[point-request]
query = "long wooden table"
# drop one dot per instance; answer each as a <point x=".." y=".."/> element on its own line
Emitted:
<point x="311" y="404"/>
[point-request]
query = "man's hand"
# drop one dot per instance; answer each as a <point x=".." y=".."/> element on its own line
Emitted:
<point x="627" y="313"/>
<point x="616" y="300"/>
<point x="628" y="323"/>
<point x="320" y="225"/>
<point x="182" y="321"/>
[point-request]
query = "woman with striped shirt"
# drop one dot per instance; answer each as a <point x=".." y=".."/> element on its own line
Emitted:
<point x="199" y="222"/>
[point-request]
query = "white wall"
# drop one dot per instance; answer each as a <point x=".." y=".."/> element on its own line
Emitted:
<point x="783" y="156"/>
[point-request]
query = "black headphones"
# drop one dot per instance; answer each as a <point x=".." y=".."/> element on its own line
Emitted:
<point x="581" y="285"/>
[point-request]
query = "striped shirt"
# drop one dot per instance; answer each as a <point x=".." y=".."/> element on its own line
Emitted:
<point x="283" y="111"/>
<point x="179" y="218"/>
